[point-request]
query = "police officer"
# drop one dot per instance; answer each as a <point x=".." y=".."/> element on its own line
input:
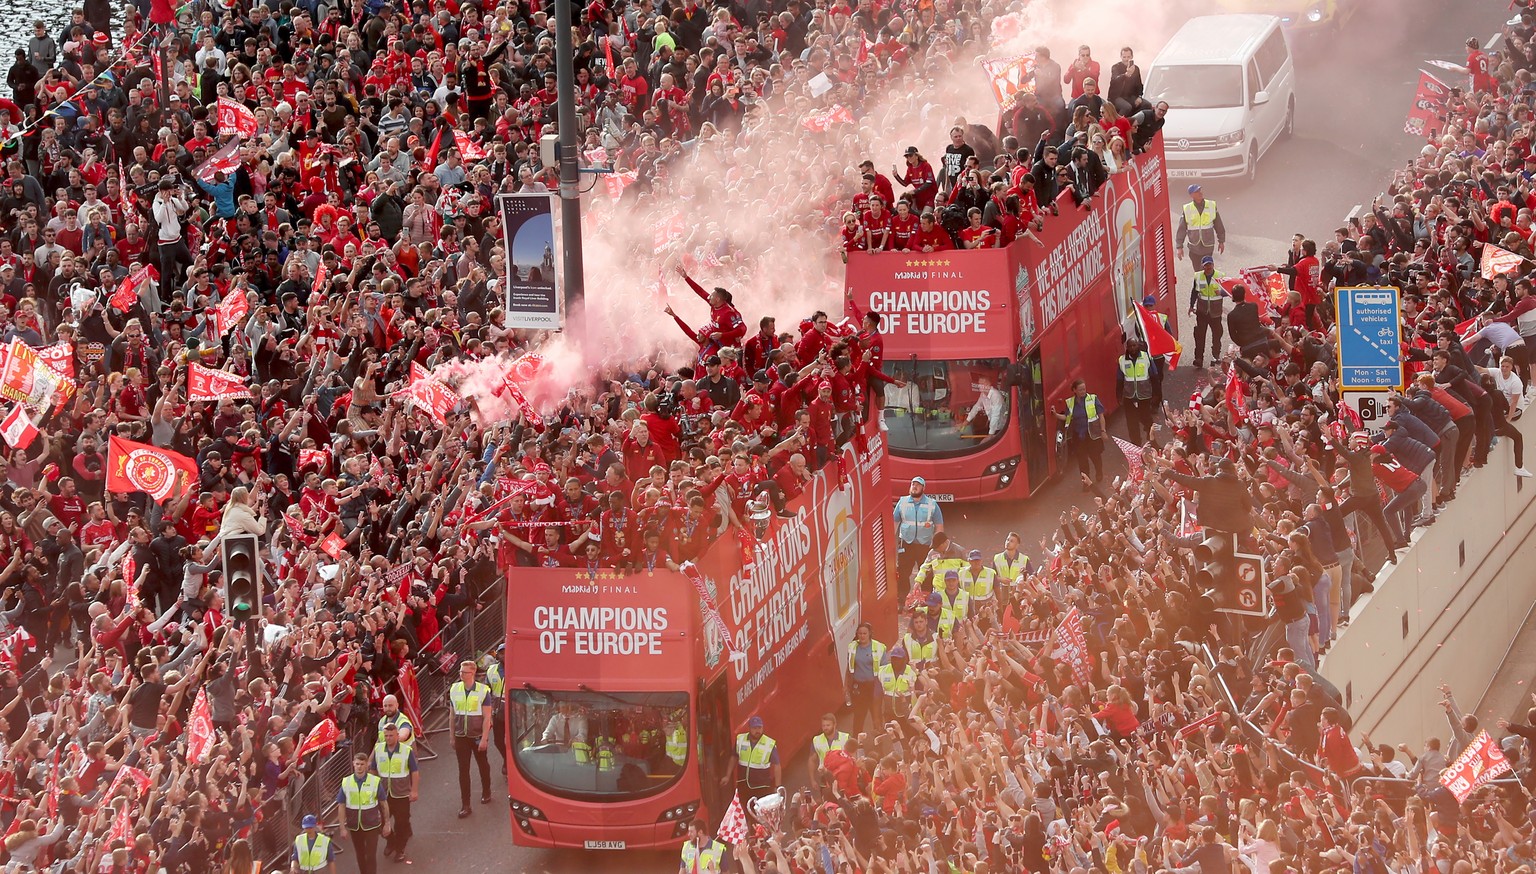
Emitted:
<point x="393" y="716"/>
<point x="918" y="518"/>
<point x="1011" y="564"/>
<point x="1084" y="421"/>
<point x="361" y="814"/>
<point x="897" y="680"/>
<point x="865" y="654"/>
<point x="1206" y="305"/>
<point x="395" y="763"/>
<point x="977" y="580"/>
<point x="1137" y="386"/>
<point x="758" y="769"/>
<point x="312" y="850"/>
<point x="471" y="703"/>
<point x="1200" y="226"/>
<point x="700" y="852"/>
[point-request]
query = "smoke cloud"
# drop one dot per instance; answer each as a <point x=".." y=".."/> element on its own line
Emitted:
<point x="758" y="211"/>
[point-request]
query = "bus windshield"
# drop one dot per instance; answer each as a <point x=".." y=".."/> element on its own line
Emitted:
<point x="1197" y="86"/>
<point x="947" y="408"/>
<point x="600" y="745"/>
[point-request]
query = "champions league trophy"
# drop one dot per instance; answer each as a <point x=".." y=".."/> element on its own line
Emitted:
<point x="769" y="809"/>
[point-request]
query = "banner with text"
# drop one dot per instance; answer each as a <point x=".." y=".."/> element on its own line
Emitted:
<point x="534" y="295"/>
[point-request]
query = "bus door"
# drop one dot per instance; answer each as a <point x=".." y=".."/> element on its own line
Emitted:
<point x="1031" y="420"/>
<point x="716" y="748"/>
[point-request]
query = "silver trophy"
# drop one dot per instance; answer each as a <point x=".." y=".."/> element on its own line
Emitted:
<point x="769" y="810"/>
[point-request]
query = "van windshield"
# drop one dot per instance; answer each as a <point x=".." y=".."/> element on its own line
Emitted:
<point x="1201" y="86"/>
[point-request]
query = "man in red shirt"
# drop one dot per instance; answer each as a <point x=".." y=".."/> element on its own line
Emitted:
<point x="633" y="88"/>
<point x="756" y="351"/>
<point x="930" y="236"/>
<point x="1479" y="67"/>
<point x="1334" y="749"/>
<point x="67" y="506"/>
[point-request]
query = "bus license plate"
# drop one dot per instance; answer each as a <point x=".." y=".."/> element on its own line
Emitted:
<point x="605" y="845"/>
<point x="942" y="498"/>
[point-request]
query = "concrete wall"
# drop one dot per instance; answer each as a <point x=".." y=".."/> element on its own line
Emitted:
<point x="1448" y="612"/>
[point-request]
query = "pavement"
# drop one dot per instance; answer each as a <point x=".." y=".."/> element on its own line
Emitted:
<point x="1354" y="90"/>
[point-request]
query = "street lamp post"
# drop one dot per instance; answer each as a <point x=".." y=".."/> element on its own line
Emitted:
<point x="570" y="195"/>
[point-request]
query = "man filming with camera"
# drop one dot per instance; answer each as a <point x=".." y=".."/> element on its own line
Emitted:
<point x="169" y="205"/>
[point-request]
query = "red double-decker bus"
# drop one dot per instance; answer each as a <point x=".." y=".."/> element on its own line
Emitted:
<point x="990" y="341"/>
<point x="623" y="700"/>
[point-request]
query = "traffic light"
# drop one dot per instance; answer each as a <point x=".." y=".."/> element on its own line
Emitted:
<point x="1216" y="574"/>
<point x="242" y="575"/>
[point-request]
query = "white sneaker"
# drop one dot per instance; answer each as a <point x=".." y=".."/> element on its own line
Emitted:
<point x="1520" y="471"/>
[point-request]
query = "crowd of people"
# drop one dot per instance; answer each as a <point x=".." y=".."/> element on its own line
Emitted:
<point x="1090" y="709"/>
<point x="341" y="264"/>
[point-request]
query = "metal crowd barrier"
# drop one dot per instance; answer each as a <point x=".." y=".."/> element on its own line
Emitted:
<point x="469" y="636"/>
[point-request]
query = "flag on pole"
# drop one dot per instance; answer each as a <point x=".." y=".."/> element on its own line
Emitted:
<point x="410" y="694"/>
<point x="207" y="384"/>
<point x="733" y="828"/>
<point x="200" y="729"/>
<point x="1236" y="395"/>
<point x="1009" y="78"/>
<point x="17" y="428"/>
<point x="225" y="161"/>
<point x="1159" y="341"/>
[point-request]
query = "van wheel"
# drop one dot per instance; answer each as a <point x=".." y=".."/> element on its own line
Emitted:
<point x="1253" y="164"/>
<point x="1288" y="130"/>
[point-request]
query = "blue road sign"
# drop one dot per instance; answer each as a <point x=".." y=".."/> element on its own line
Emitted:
<point x="1370" y="349"/>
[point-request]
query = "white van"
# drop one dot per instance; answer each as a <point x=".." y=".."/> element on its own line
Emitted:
<point x="1230" y="87"/>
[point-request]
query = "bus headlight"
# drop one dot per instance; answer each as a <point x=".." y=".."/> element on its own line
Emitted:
<point x="1315" y="13"/>
<point x="527" y="811"/>
<point x="1004" y="466"/>
<point x="682" y="813"/>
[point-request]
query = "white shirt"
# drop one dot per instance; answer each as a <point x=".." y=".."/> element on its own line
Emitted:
<point x="992" y="403"/>
<point x="168" y="210"/>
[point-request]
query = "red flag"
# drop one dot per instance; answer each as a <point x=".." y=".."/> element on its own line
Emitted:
<point x="469" y="150"/>
<point x="333" y="545"/>
<point x="139" y="467"/>
<point x="1426" y="116"/>
<point x="200" y="729"/>
<point x="322" y="739"/>
<point x="13" y="646"/>
<point x="122" y="824"/>
<point x="410" y="693"/>
<point x="1477" y="765"/>
<point x="229" y="312"/>
<point x="236" y="118"/>
<point x="430" y="395"/>
<point x="1133" y="459"/>
<point x="207" y="384"/>
<point x="60" y="356"/>
<point x="608" y="56"/>
<point x="22" y="380"/>
<point x="1497" y="260"/>
<point x="1236" y="396"/>
<point x="321" y="275"/>
<point x="1010" y="77"/>
<point x="226" y="160"/>
<point x="733" y="828"/>
<point x="821" y="122"/>
<point x="17" y="428"/>
<point x="128" y="291"/>
<point x="1072" y="645"/>
<point x="314" y="458"/>
<point x="1159" y="341"/>
<point x="615" y="183"/>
